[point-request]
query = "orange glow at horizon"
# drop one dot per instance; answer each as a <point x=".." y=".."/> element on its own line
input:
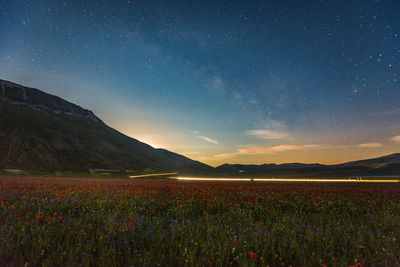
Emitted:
<point x="262" y="151"/>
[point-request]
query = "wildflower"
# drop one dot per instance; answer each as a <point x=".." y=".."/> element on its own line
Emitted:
<point x="49" y="219"/>
<point x="253" y="255"/>
<point x="127" y="226"/>
<point x="324" y="265"/>
<point x="40" y="218"/>
<point x="94" y="260"/>
<point x="59" y="218"/>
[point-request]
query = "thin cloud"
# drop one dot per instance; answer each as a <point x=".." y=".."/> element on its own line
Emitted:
<point x="268" y="134"/>
<point x="207" y="139"/>
<point x="271" y="150"/>
<point x="255" y="150"/>
<point x="370" y="145"/>
<point x="225" y="155"/>
<point x="395" y="138"/>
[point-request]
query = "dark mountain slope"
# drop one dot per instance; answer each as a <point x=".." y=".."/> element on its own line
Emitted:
<point x="40" y="132"/>
<point x="373" y="163"/>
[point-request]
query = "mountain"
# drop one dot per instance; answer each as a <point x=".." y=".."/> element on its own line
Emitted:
<point x="386" y="165"/>
<point x="382" y="166"/>
<point x="252" y="168"/>
<point x="42" y="133"/>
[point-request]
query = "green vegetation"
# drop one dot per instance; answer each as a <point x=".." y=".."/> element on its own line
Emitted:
<point x="104" y="222"/>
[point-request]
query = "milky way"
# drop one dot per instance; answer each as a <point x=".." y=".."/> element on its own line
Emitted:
<point x="220" y="81"/>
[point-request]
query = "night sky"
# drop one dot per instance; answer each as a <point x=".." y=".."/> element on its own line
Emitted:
<point x="220" y="81"/>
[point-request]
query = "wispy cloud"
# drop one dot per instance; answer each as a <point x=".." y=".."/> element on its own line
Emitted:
<point x="207" y="139"/>
<point x="395" y="138"/>
<point x="268" y="134"/>
<point x="370" y="145"/>
<point x="271" y="150"/>
<point x="255" y="150"/>
<point x="226" y="155"/>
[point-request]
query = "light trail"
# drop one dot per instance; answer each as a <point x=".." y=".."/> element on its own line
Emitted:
<point x="154" y="174"/>
<point x="294" y="180"/>
<point x="328" y="180"/>
<point x="212" y="179"/>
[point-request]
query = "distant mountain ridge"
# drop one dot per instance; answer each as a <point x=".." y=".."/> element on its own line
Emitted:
<point x="40" y="132"/>
<point x="382" y="166"/>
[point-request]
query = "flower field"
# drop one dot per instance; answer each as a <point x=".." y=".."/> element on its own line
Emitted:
<point x="119" y="222"/>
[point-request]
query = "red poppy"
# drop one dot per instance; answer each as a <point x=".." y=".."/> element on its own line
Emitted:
<point x="49" y="219"/>
<point x="94" y="260"/>
<point x="253" y="255"/>
<point x="40" y="218"/>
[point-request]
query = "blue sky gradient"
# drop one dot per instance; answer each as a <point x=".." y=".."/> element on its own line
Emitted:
<point x="220" y="81"/>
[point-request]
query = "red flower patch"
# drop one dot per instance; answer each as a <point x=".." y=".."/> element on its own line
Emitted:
<point x="253" y="255"/>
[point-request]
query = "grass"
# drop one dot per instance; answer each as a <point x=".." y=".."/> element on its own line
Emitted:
<point x="119" y="222"/>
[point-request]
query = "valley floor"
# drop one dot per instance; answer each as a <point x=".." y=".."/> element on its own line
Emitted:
<point x="148" y="222"/>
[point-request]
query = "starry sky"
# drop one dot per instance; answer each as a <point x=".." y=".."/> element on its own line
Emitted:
<point x="220" y="81"/>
